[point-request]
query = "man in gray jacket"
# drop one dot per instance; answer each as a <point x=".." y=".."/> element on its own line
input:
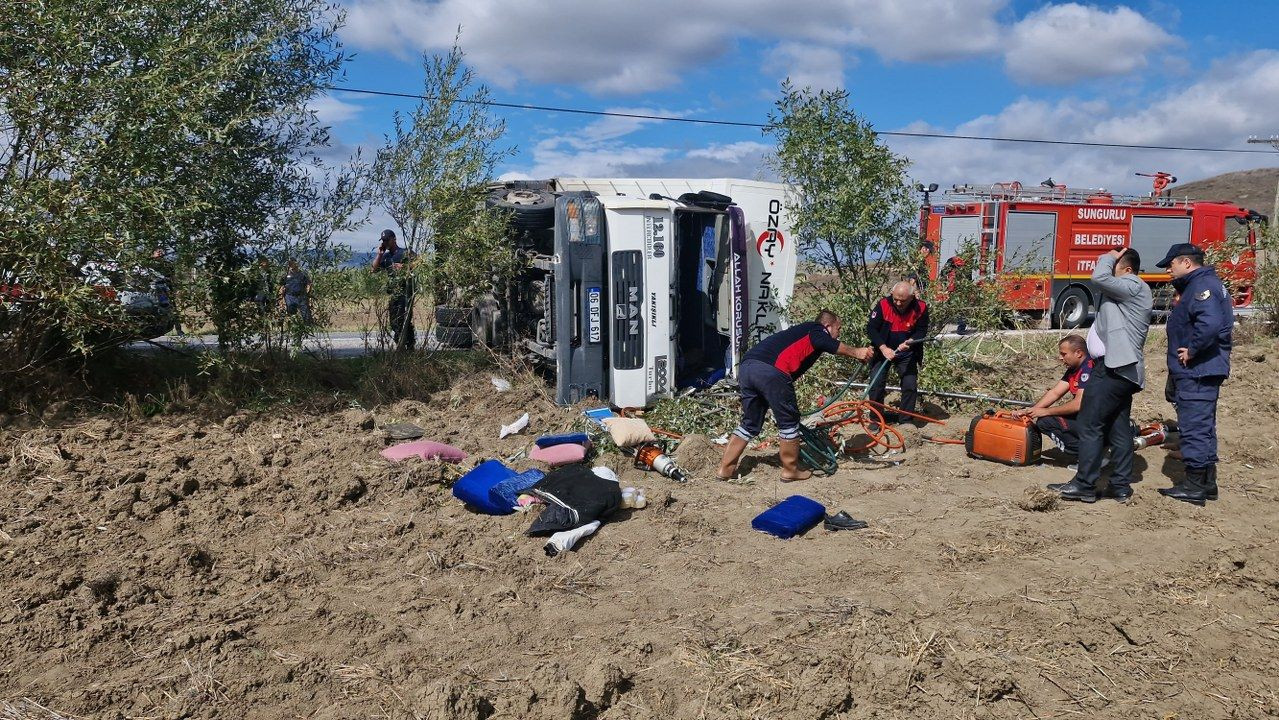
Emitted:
<point x="1115" y="341"/>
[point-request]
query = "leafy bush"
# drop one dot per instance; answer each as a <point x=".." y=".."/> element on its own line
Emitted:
<point x="159" y="139"/>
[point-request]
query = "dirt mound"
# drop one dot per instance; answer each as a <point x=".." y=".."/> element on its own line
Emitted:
<point x="1037" y="499"/>
<point x="272" y="564"/>
<point x="698" y="456"/>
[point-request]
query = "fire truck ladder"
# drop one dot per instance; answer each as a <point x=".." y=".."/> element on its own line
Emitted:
<point x="989" y="238"/>
<point x="1012" y="192"/>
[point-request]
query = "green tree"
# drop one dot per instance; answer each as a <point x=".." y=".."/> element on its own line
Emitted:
<point x="431" y="176"/>
<point x="855" y="216"/>
<point x="172" y="125"/>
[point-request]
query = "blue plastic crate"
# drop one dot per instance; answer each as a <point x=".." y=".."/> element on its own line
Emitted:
<point x="793" y="516"/>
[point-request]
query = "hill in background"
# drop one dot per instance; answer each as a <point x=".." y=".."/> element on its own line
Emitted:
<point x="1253" y="189"/>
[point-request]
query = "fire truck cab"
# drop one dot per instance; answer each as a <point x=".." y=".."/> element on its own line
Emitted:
<point x="1041" y="244"/>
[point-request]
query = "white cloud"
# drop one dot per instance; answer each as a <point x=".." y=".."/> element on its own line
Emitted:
<point x="814" y="66"/>
<point x="615" y="46"/>
<point x="1062" y="44"/>
<point x="332" y="111"/>
<point x="732" y="152"/>
<point x="924" y="30"/>
<point x="1236" y="98"/>
<point x="605" y="148"/>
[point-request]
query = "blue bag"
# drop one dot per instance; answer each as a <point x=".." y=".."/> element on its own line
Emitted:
<point x="546" y="441"/>
<point x="474" y="487"/>
<point x="793" y="516"/>
<point x="507" y="492"/>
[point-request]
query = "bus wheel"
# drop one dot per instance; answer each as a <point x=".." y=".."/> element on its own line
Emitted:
<point x="1071" y="310"/>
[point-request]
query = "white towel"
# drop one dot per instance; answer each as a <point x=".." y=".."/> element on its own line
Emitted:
<point x="564" y="540"/>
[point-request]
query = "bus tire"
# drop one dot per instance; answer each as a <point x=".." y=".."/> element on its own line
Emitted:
<point x="1071" y="309"/>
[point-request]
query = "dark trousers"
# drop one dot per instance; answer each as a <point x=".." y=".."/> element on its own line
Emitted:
<point x="400" y="311"/>
<point x="1196" y="401"/>
<point x="1063" y="430"/>
<point x="298" y="305"/>
<point x="763" y="388"/>
<point x="1105" y="420"/>
<point x="908" y="374"/>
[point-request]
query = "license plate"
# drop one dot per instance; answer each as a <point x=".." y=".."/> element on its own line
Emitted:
<point x="594" y="325"/>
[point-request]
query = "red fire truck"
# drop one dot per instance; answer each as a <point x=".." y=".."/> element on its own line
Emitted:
<point x="1041" y="244"/>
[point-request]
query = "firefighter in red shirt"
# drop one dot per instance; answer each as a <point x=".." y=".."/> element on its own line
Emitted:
<point x="895" y="322"/>
<point x="1059" y="422"/>
<point x="766" y="379"/>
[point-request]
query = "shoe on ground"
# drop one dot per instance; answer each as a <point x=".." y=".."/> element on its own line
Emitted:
<point x="1077" y="491"/>
<point x="1194" y="489"/>
<point x="1122" y="493"/>
<point x="1183" y="493"/>
<point x="843" y="521"/>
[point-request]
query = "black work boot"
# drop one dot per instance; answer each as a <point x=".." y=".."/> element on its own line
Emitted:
<point x="1075" y="490"/>
<point x="1193" y="490"/>
<point x="1211" y="493"/>
<point x="1122" y="493"/>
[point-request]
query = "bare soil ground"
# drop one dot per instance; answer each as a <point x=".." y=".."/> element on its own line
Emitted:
<point x="273" y="565"/>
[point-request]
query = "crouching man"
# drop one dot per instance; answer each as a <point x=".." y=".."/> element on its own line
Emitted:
<point x="766" y="379"/>
<point x="1058" y="422"/>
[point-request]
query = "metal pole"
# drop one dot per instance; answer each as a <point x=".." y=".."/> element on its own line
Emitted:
<point x="957" y="396"/>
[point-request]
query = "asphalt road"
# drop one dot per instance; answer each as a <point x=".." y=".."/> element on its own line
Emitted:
<point x="335" y="344"/>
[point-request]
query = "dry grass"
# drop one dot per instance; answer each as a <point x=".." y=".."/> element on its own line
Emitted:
<point x="30" y="455"/>
<point x="201" y="683"/>
<point x="729" y="661"/>
<point x="28" y="709"/>
<point x="357" y="673"/>
<point x="577" y="581"/>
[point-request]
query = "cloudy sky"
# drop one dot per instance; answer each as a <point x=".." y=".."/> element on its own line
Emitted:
<point x="1152" y="72"/>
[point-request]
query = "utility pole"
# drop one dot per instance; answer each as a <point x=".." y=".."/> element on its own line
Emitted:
<point x="1272" y="141"/>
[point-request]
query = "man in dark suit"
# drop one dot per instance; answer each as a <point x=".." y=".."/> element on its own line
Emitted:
<point x="1115" y="341"/>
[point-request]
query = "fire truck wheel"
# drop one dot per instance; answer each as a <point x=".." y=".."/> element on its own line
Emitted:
<point x="1071" y="310"/>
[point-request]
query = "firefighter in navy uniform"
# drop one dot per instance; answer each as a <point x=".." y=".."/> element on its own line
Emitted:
<point x="1199" y="346"/>
<point x="894" y="322"/>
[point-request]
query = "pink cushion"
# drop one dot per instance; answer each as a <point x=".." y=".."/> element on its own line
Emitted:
<point x="559" y="454"/>
<point x="425" y="449"/>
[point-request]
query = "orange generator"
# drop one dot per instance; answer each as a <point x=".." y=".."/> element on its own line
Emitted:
<point x="997" y="435"/>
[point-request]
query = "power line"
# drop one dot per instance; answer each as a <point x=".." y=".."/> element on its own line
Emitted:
<point x="737" y="123"/>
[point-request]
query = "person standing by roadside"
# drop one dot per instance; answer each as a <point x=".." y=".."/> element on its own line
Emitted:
<point x="393" y="260"/>
<point x="1199" y="344"/>
<point x="295" y="292"/>
<point x="1115" y="341"/>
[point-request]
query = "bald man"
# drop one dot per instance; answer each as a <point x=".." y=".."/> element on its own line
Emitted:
<point x="895" y="321"/>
